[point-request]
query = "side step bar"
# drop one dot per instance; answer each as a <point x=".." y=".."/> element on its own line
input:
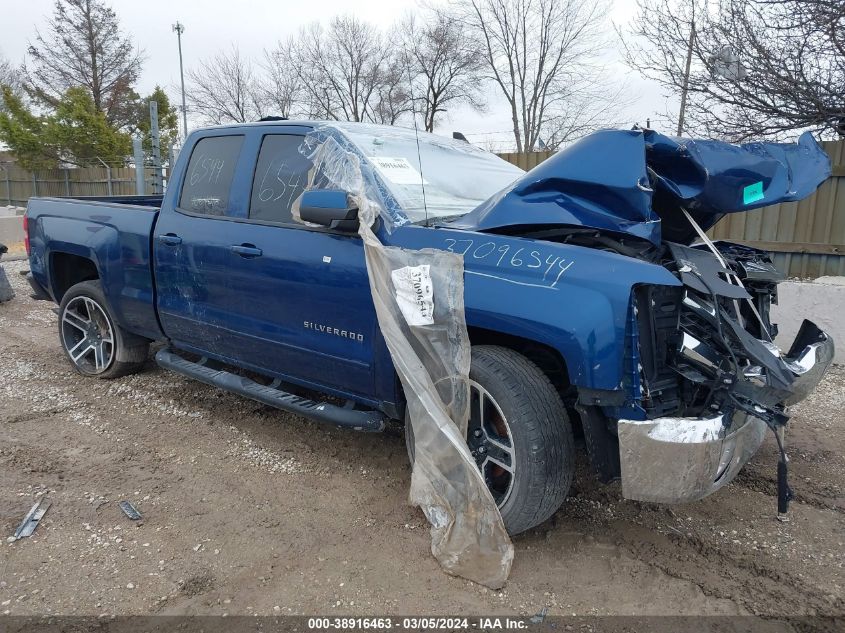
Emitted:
<point x="368" y="421"/>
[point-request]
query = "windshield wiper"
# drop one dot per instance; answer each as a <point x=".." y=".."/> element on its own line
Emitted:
<point x="442" y="219"/>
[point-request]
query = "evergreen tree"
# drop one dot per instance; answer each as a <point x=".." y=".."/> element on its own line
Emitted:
<point x="168" y="121"/>
<point x="76" y="133"/>
<point x="84" y="47"/>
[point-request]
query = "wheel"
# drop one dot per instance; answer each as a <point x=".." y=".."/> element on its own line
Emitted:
<point x="520" y="436"/>
<point x="90" y="338"/>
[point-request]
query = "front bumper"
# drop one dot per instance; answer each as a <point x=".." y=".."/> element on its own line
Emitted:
<point x="675" y="460"/>
<point x="808" y="359"/>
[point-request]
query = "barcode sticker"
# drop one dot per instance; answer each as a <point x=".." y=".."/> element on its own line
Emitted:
<point x="397" y="170"/>
<point x="415" y="294"/>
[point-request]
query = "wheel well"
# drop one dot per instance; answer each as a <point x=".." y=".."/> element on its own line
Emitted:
<point x="547" y="358"/>
<point x="67" y="270"/>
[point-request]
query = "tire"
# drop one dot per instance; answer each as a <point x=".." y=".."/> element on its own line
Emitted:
<point x="541" y="457"/>
<point x="91" y="339"/>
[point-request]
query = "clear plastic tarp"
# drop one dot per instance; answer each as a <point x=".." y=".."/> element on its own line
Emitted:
<point x="395" y="155"/>
<point x="419" y="302"/>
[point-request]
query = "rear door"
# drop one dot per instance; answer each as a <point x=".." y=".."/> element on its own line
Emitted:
<point x="272" y="294"/>
<point x="191" y="248"/>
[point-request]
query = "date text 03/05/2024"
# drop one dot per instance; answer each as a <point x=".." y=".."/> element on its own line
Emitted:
<point x="423" y="623"/>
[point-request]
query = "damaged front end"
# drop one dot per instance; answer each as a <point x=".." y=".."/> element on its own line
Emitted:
<point x="713" y="381"/>
<point x="703" y="378"/>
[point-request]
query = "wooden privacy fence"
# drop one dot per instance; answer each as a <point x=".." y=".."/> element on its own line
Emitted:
<point x="18" y="185"/>
<point x="806" y="239"/>
<point x="526" y="160"/>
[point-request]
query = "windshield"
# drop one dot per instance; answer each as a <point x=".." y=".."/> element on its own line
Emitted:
<point x="456" y="175"/>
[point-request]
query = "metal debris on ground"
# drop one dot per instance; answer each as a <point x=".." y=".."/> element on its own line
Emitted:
<point x="539" y="617"/>
<point x="130" y="511"/>
<point x="30" y="521"/>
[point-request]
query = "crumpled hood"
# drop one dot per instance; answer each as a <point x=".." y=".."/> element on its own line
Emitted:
<point x="637" y="181"/>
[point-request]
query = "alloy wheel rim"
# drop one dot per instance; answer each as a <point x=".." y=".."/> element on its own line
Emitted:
<point x="490" y="443"/>
<point x="87" y="335"/>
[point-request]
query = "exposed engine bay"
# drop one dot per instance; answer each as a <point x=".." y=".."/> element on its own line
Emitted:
<point x="706" y="379"/>
<point x="713" y="380"/>
<point x="709" y="346"/>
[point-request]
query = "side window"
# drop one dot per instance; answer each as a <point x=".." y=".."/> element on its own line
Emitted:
<point x="280" y="178"/>
<point x="211" y="169"/>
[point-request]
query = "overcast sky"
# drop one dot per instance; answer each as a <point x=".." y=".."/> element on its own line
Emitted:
<point x="257" y="24"/>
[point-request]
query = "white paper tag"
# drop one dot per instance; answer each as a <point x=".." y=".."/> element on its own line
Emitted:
<point x="397" y="170"/>
<point x="415" y="294"/>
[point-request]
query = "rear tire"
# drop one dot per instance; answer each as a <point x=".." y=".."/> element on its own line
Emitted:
<point x="526" y="429"/>
<point x="91" y="339"/>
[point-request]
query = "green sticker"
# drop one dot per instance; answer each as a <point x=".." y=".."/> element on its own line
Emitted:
<point x="752" y="193"/>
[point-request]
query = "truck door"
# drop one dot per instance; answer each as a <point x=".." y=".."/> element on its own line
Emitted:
<point x="189" y="247"/>
<point x="272" y="294"/>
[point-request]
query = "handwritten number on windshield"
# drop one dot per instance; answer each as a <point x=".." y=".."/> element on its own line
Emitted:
<point x="207" y="169"/>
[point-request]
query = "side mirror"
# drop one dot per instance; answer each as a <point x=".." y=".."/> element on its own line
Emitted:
<point x="329" y="207"/>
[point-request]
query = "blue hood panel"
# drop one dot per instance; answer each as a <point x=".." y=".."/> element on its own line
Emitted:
<point x="636" y="182"/>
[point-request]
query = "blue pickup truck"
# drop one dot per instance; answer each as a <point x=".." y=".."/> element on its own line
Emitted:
<point x="596" y="306"/>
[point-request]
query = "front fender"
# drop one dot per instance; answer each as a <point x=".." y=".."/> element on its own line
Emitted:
<point x="571" y="298"/>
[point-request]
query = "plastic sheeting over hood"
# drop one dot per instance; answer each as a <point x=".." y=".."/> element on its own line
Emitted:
<point x="636" y="182"/>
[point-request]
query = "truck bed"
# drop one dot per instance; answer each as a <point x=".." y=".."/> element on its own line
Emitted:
<point x="111" y="231"/>
<point x="150" y="202"/>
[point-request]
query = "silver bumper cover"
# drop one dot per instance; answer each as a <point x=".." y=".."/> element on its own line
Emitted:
<point x="675" y="460"/>
<point x="672" y="460"/>
<point x="808" y="359"/>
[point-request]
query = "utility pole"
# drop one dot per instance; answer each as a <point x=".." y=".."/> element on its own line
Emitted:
<point x="180" y="28"/>
<point x="686" y="78"/>
<point x="138" y="151"/>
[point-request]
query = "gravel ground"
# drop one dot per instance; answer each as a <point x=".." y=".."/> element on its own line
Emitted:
<point x="248" y="510"/>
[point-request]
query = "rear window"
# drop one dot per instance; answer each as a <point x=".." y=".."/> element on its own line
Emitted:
<point x="280" y="178"/>
<point x="208" y="181"/>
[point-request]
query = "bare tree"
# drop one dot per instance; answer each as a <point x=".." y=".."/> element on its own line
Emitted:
<point x="758" y="68"/>
<point x="224" y="89"/>
<point x="394" y="93"/>
<point x="8" y="74"/>
<point x="542" y="55"/>
<point x="344" y="70"/>
<point x="280" y="84"/>
<point x="84" y="47"/>
<point x="9" y="81"/>
<point x="445" y="65"/>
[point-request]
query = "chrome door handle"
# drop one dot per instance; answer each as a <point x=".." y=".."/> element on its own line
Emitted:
<point x="246" y="250"/>
<point x="170" y="239"/>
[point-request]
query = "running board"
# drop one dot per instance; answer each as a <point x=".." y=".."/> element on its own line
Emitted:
<point x="368" y="421"/>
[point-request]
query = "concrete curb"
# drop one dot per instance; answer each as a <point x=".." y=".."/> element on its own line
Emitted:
<point x="11" y="229"/>
<point x="821" y="301"/>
